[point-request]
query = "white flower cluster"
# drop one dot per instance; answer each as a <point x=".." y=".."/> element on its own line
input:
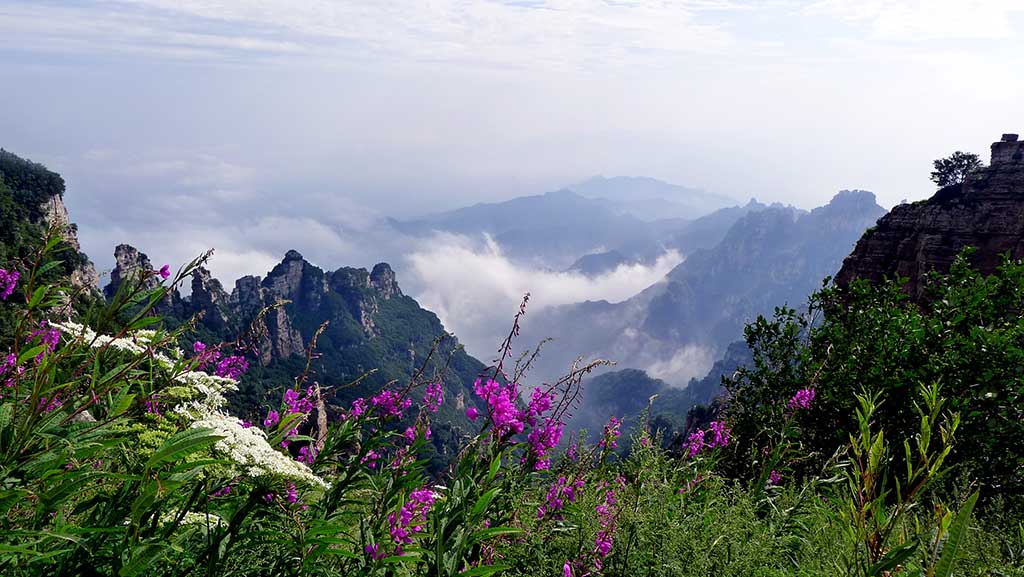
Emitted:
<point x="192" y="518"/>
<point x="249" y="447"/>
<point x="131" y="345"/>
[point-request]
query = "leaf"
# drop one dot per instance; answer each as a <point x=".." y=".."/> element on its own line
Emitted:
<point x="181" y="444"/>
<point x="895" y="557"/>
<point x="484" y="570"/>
<point x="37" y="296"/>
<point x="484" y="501"/>
<point x="956" y="536"/>
<point x="143" y="322"/>
<point x="142" y="557"/>
<point x="496" y="531"/>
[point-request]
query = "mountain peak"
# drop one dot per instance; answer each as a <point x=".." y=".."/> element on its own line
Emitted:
<point x="292" y="255"/>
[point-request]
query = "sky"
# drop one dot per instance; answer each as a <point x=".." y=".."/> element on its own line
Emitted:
<point x="255" y="126"/>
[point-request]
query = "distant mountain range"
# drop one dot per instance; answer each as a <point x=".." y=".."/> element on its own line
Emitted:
<point x="651" y="199"/>
<point x="618" y="220"/>
<point x="676" y="328"/>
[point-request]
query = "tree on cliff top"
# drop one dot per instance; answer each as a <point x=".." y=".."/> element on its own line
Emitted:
<point x="955" y="168"/>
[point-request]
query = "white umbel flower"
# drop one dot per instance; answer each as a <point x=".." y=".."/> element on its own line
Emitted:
<point x="249" y="448"/>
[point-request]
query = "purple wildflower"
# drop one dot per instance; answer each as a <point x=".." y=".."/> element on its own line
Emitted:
<point x="8" y="280"/>
<point x="696" y="443"/>
<point x="566" y="570"/>
<point x="612" y="431"/>
<point x="433" y="398"/>
<point x="411" y="517"/>
<point x="153" y="405"/>
<point x="231" y="367"/>
<point x="47" y="336"/>
<point x="390" y="403"/>
<point x="373" y="550"/>
<point x="268" y="497"/>
<point x="307" y="454"/>
<point x="542" y="440"/>
<point x="774" y="478"/>
<point x="272" y="419"/>
<point x="471" y="413"/>
<point x="802" y="399"/>
<point x="721" y="432"/>
<point x="501" y="406"/>
<point x="558" y="494"/>
<point x="165" y="271"/>
<point x="292" y="495"/>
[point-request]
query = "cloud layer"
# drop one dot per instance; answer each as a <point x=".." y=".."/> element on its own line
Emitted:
<point x="476" y="290"/>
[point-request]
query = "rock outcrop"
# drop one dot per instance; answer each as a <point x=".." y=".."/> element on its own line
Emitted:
<point x="985" y="212"/>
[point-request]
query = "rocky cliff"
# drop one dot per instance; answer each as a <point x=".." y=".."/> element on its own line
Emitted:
<point x="31" y="202"/>
<point x="371" y="325"/>
<point x="985" y="212"/>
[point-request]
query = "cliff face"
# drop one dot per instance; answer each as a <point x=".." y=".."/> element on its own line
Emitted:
<point x="986" y="212"/>
<point x="32" y="201"/>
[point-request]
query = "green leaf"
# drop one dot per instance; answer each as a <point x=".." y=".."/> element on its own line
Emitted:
<point x="142" y="557"/>
<point x="484" y="501"/>
<point x="895" y="557"/>
<point x="956" y="537"/>
<point x="181" y="444"/>
<point x="484" y="570"/>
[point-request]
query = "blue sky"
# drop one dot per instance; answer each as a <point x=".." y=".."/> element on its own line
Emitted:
<point x="260" y="125"/>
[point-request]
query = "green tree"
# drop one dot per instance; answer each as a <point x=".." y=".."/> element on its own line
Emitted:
<point x="954" y="169"/>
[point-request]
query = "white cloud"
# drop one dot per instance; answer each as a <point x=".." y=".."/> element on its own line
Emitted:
<point x="920" y="20"/>
<point x="688" y="362"/>
<point x="475" y="291"/>
<point x="549" y="33"/>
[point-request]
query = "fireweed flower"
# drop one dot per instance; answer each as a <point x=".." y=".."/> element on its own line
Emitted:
<point x="272" y="419"/>
<point x="165" y="271"/>
<point x="542" y="440"/>
<point x="612" y="431"/>
<point x="557" y="496"/>
<point x="696" y="443"/>
<point x="501" y="406"/>
<point x="373" y="550"/>
<point x="721" y="433"/>
<point x="433" y="398"/>
<point x="10" y="368"/>
<point x="774" y="478"/>
<point x="8" y="280"/>
<point x="802" y="399"/>
<point x="471" y="413"/>
<point x="410" y="518"/>
<point x="49" y="337"/>
<point x="307" y="454"/>
<point x="390" y="403"/>
<point x="203" y="355"/>
<point x="231" y="367"/>
<point x="153" y="405"/>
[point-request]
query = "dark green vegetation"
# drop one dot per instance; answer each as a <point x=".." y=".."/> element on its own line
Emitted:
<point x="968" y="336"/>
<point x="955" y="168"/>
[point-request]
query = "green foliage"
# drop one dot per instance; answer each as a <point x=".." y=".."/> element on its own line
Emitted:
<point x="955" y="168"/>
<point x="968" y="337"/>
<point x="139" y="471"/>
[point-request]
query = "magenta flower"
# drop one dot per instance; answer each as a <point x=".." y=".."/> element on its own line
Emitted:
<point x="47" y="336"/>
<point x="165" y="271"/>
<point x="373" y="550"/>
<point x="411" y="517"/>
<point x="272" y="419"/>
<point x="8" y="280"/>
<point x="471" y="413"/>
<point x="433" y="398"/>
<point x="153" y="405"/>
<point x="696" y="443"/>
<point x="774" y="478"/>
<point x="231" y="367"/>
<point x="390" y="403"/>
<point x="557" y="496"/>
<point x="542" y="440"/>
<point x="566" y="570"/>
<point x="501" y="406"/>
<point x="612" y="432"/>
<point x="307" y="454"/>
<point x="721" y="433"/>
<point x="802" y="399"/>
<point x="293" y="494"/>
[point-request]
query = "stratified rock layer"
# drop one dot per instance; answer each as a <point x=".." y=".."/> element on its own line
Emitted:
<point x="986" y="212"/>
